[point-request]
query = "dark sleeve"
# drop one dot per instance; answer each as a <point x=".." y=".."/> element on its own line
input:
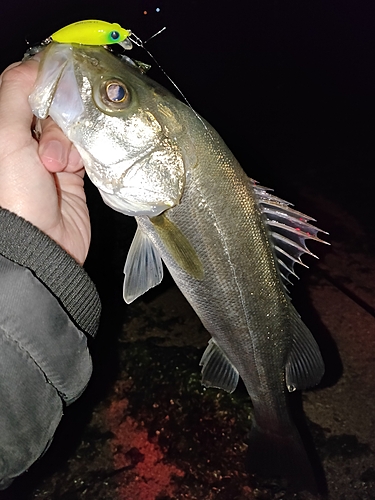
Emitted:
<point x="48" y="307"/>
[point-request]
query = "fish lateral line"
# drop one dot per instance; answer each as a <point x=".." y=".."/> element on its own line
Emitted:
<point x="184" y="239"/>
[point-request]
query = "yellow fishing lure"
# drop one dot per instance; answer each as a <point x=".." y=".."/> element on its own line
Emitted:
<point x="93" y="32"/>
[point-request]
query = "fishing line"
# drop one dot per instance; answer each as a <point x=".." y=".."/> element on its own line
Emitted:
<point x="137" y="41"/>
<point x="95" y="32"/>
<point x="155" y="34"/>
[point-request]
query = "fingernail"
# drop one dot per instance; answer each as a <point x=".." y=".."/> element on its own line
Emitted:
<point x="53" y="152"/>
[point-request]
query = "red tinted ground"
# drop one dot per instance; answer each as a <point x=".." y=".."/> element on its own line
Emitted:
<point x="132" y="449"/>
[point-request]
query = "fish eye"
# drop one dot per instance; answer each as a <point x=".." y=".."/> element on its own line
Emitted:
<point x="112" y="96"/>
<point x="115" y="35"/>
<point x="116" y="92"/>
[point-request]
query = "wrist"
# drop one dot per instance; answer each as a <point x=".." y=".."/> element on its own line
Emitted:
<point x="24" y="244"/>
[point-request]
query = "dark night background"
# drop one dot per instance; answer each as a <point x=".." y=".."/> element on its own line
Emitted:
<point x="288" y="84"/>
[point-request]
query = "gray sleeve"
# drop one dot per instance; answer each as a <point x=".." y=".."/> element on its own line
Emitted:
<point x="44" y="360"/>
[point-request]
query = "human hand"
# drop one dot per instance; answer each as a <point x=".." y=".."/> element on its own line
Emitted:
<point x="41" y="182"/>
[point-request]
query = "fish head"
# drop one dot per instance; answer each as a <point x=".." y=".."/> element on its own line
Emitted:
<point x="124" y="125"/>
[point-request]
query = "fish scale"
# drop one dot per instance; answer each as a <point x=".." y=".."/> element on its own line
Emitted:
<point x="229" y="244"/>
<point x="234" y="274"/>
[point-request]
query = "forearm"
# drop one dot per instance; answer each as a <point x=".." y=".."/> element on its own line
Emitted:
<point x="48" y="305"/>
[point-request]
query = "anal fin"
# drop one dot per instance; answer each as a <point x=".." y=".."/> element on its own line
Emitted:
<point x="143" y="267"/>
<point x="217" y="370"/>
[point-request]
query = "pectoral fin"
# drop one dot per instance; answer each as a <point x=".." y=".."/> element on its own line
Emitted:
<point x="217" y="370"/>
<point x="143" y="267"/>
<point x="178" y="246"/>
<point x="305" y="366"/>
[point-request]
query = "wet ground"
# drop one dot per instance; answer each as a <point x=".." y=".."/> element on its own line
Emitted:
<point x="146" y="429"/>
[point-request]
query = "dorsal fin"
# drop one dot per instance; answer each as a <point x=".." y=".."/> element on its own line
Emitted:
<point x="288" y="229"/>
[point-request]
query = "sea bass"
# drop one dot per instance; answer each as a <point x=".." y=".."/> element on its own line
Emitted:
<point x="229" y="244"/>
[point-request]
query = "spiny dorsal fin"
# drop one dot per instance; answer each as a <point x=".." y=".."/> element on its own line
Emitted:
<point x="217" y="370"/>
<point x="288" y="229"/>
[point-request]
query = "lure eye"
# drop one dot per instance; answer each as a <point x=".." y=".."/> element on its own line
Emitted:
<point x="115" y="35"/>
<point x="112" y="96"/>
<point x="116" y="92"/>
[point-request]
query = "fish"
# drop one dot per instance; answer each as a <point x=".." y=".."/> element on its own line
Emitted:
<point x="228" y="242"/>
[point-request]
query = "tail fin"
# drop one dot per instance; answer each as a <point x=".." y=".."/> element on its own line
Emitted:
<point x="281" y="455"/>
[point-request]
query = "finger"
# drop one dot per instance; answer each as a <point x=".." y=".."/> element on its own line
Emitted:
<point x="13" y="65"/>
<point x="75" y="162"/>
<point x="56" y="152"/>
<point x="16" y="85"/>
<point x="54" y="147"/>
